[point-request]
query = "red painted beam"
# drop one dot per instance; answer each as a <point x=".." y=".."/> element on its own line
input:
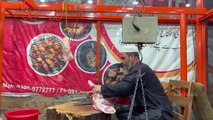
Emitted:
<point x="9" y="12"/>
<point x="183" y="48"/>
<point x="105" y="8"/>
<point x="99" y="2"/>
<point x="31" y="4"/>
<point x="2" y="21"/>
<point x="98" y="52"/>
<point x="201" y="51"/>
<point x="98" y="47"/>
<point x="208" y="16"/>
<point x="89" y="17"/>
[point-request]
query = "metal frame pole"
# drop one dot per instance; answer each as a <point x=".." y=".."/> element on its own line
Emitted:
<point x="183" y="48"/>
<point x="2" y="21"/>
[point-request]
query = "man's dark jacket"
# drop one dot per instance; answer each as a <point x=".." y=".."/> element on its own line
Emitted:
<point x="155" y="96"/>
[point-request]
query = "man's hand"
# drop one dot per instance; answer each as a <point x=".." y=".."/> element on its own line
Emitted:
<point x="90" y="94"/>
<point x="96" y="89"/>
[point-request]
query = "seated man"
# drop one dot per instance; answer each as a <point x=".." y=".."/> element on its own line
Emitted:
<point x="149" y="95"/>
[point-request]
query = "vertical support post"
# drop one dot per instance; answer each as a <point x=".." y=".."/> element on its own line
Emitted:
<point x="183" y="51"/>
<point x="99" y="2"/>
<point x="98" y="52"/>
<point x="98" y="48"/>
<point x="201" y="47"/>
<point x="201" y="53"/>
<point x="2" y="21"/>
<point x="183" y="48"/>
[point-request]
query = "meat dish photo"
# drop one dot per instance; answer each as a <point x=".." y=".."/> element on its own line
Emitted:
<point x="75" y="30"/>
<point x="86" y="56"/>
<point x="45" y="54"/>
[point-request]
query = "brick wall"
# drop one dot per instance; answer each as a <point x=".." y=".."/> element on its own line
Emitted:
<point x="36" y="101"/>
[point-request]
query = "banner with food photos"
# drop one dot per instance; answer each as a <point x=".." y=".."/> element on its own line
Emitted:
<point x="33" y="57"/>
<point x="35" y="61"/>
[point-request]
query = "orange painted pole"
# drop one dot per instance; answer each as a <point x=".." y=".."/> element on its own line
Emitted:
<point x="2" y="20"/>
<point x="89" y="17"/>
<point x="99" y="2"/>
<point x="198" y="51"/>
<point x="201" y="47"/>
<point x="183" y="51"/>
<point x="183" y="48"/>
<point x="98" y="51"/>
<point x="208" y="16"/>
<point x="104" y="8"/>
<point x="201" y="51"/>
<point x="31" y="4"/>
<point x="98" y="48"/>
<point x="205" y="52"/>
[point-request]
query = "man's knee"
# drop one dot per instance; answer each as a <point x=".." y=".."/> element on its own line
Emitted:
<point x="122" y="113"/>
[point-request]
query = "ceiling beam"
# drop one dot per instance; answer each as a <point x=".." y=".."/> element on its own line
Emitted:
<point x="61" y="16"/>
<point x="104" y="8"/>
<point x="9" y="12"/>
<point x="31" y="4"/>
<point x="208" y="16"/>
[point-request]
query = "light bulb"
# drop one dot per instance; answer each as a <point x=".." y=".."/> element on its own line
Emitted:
<point x="127" y="15"/>
<point x="188" y="5"/>
<point x="90" y="1"/>
<point x="135" y="2"/>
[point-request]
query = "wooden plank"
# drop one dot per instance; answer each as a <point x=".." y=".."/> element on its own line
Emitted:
<point x="177" y="94"/>
<point x="178" y="116"/>
<point x="165" y="85"/>
<point x="177" y="83"/>
<point x="178" y="99"/>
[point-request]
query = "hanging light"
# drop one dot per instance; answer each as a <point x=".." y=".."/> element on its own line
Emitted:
<point x="42" y="0"/>
<point x="187" y="4"/>
<point x="127" y="15"/>
<point x="90" y="1"/>
<point x="135" y="2"/>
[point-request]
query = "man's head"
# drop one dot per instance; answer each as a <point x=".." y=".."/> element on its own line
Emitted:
<point x="125" y="61"/>
<point x="124" y="58"/>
